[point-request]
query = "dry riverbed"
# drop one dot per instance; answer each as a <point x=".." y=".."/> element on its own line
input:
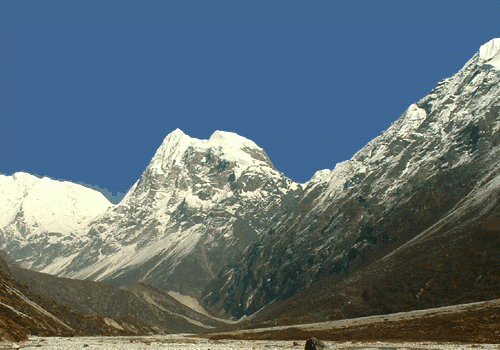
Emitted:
<point x="180" y="341"/>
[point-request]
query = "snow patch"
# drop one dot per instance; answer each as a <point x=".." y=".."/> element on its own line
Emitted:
<point x="320" y="175"/>
<point x="58" y="264"/>
<point x="190" y="302"/>
<point x="412" y="119"/>
<point x="148" y="298"/>
<point x="231" y="140"/>
<point x="112" y="323"/>
<point x="489" y="53"/>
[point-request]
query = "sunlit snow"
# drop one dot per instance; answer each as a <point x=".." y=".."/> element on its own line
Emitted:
<point x="227" y="145"/>
<point x="48" y="205"/>
<point x="489" y="53"/>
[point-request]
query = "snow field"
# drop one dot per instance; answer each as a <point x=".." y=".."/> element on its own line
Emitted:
<point x="179" y="341"/>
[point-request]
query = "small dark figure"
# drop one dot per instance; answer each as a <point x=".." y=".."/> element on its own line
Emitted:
<point x="314" y="344"/>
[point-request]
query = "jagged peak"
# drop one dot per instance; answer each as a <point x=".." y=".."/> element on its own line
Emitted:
<point x="176" y="134"/>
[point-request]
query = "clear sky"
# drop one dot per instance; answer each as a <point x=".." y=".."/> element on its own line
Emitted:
<point x="91" y="89"/>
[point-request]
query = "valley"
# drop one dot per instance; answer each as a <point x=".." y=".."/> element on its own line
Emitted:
<point x="188" y="342"/>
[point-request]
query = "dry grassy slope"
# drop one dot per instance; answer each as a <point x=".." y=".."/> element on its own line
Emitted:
<point x="467" y="323"/>
<point x="24" y="313"/>
<point x="455" y="263"/>
<point x="18" y="319"/>
<point x="140" y="302"/>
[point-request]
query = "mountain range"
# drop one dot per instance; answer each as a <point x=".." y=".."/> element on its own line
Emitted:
<point x="409" y="222"/>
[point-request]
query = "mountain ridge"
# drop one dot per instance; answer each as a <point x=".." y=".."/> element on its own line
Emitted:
<point x="215" y="220"/>
<point x="400" y="184"/>
<point x="197" y="204"/>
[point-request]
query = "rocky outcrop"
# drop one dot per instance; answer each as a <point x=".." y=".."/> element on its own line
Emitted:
<point x="314" y="344"/>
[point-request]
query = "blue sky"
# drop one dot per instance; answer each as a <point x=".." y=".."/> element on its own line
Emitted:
<point x="90" y="89"/>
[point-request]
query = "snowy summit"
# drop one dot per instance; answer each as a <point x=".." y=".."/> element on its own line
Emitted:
<point x="227" y="145"/>
<point x="47" y="205"/>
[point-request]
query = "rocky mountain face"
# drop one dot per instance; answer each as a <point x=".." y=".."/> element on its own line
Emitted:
<point x="436" y="166"/>
<point x="41" y="218"/>
<point x="198" y="204"/>
<point x="454" y="261"/>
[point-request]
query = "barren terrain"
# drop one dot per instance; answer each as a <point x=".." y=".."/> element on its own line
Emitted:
<point x="188" y="342"/>
<point x="466" y="323"/>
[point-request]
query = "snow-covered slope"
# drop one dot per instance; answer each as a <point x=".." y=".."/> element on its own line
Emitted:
<point x="440" y="150"/>
<point x="198" y="204"/>
<point x="41" y="211"/>
<point x="48" y="205"/>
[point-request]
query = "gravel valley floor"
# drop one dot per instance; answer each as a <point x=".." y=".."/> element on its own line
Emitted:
<point x="187" y="342"/>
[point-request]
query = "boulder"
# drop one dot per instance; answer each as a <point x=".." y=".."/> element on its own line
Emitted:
<point x="314" y="344"/>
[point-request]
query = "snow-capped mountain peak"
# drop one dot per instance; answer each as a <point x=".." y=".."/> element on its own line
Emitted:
<point x="45" y="216"/>
<point x="226" y="145"/>
<point x="489" y="53"/>
<point x="196" y="206"/>
<point x="46" y="204"/>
